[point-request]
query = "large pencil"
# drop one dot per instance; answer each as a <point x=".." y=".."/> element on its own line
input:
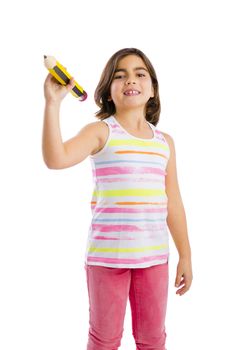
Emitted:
<point x="63" y="77"/>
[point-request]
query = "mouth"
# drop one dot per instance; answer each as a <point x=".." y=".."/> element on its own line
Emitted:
<point x="131" y="92"/>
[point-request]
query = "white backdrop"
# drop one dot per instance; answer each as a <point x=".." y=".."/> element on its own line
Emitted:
<point x="45" y="214"/>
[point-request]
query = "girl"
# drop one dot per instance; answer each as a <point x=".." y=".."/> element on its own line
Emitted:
<point x="136" y="197"/>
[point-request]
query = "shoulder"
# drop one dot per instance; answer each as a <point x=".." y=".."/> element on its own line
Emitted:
<point x="97" y="128"/>
<point x="171" y="167"/>
<point x="101" y="128"/>
<point x="99" y="131"/>
<point x="170" y="141"/>
<point x="167" y="137"/>
<point x="171" y="145"/>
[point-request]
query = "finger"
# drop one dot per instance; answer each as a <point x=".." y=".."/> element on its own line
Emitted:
<point x="178" y="280"/>
<point x="182" y="282"/>
<point x="71" y="84"/>
<point x="182" y="290"/>
<point x="48" y="78"/>
<point x="185" y="286"/>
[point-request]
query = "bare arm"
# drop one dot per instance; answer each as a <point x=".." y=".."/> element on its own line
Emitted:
<point x="176" y="214"/>
<point x="56" y="153"/>
<point x="177" y="224"/>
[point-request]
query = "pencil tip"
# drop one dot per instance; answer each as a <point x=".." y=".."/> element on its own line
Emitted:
<point x="45" y="56"/>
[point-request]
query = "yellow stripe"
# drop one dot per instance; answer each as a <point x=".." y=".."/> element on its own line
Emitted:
<point x="129" y="192"/>
<point x="133" y="142"/>
<point x="127" y="250"/>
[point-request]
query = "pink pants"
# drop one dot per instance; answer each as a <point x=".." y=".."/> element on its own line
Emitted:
<point x="109" y="289"/>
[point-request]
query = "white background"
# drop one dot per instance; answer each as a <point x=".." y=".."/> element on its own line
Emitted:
<point x="45" y="213"/>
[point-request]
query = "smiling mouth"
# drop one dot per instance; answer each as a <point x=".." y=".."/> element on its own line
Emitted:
<point x="131" y="93"/>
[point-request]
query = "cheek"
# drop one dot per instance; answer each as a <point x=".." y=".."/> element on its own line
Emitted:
<point x="150" y="90"/>
<point x="114" y="89"/>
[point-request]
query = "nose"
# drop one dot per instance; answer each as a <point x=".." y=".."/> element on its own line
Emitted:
<point x="129" y="81"/>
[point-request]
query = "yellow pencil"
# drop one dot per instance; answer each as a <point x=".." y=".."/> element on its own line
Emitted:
<point x="63" y="77"/>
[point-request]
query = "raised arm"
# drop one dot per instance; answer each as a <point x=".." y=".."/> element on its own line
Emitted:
<point x="56" y="153"/>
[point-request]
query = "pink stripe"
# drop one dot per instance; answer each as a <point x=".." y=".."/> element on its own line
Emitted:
<point x="127" y="170"/>
<point x="113" y="238"/>
<point x="114" y="126"/>
<point x="130" y="210"/>
<point x="123" y="179"/>
<point x="125" y="238"/>
<point x="114" y="228"/>
<point x="127" y="261"/>
<point x="126" y="228"/>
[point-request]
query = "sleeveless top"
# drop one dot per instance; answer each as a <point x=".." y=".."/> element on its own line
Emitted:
<point x="129" y="203"/>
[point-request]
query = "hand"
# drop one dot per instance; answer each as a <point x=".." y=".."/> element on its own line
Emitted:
<point x="184" y="275"/>
<point x="54" y="91"/>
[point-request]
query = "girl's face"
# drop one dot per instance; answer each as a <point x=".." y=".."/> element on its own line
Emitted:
<point x="131" y="86"/>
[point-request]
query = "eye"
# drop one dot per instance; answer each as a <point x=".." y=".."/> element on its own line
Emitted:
<point x="140" y="75"/>
<point x="119" y="76"/>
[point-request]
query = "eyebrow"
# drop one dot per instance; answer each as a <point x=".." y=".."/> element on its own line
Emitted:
<point x="125" y="70"/>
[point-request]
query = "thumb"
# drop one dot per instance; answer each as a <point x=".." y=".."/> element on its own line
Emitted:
<point x="65" y="89"/>
<point x="178" y="280"/>
<point x="71" y="84"/>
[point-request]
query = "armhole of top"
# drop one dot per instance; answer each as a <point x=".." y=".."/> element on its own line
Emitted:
<point x="106" y="143"/>
<point x="165" y="140"/>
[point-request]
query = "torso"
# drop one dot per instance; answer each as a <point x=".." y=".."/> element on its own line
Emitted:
<point x="128" y="228"/>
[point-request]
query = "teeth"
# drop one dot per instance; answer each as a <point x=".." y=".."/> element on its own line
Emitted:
<point x="131" y="92"/>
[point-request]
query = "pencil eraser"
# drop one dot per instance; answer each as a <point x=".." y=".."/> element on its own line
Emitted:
<point x="83" y="97"/>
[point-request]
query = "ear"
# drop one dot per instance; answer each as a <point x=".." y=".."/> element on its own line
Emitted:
<point x="109" y="98"/>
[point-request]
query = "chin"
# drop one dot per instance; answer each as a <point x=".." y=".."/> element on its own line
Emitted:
<point x="134" y="104"/>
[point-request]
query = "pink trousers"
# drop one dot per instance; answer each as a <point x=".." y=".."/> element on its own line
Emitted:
<point x="109" y="289"/>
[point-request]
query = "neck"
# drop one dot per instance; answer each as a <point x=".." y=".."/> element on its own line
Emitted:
<point x="134" y="118"/>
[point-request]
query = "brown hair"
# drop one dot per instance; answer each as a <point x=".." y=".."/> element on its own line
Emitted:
<point x="102" y="92"/>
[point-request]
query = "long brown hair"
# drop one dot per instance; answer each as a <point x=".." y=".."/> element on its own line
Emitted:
<point x="102" y="92"/>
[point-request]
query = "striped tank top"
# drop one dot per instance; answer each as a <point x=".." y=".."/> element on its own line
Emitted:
<point x="129" y="203"/>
